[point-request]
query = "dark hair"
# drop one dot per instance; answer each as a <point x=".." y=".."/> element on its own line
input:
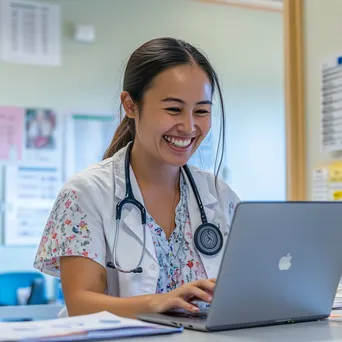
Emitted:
<point x="147" y="62"/>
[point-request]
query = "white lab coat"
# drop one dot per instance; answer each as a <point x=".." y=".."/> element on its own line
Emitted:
<point x="103" y="185"/>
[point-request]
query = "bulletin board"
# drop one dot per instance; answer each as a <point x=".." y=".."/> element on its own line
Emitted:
<point x="39" y="150"/>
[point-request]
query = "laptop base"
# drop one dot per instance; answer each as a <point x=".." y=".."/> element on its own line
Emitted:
<point x="199" y="323"/>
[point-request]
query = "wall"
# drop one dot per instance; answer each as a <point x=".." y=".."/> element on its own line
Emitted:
<point x="245" y="46"/>
<point x="322" y="22"/>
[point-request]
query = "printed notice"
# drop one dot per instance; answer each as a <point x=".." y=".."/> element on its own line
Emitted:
<point x="30" y="32"/>
<point x="11" y="133"/>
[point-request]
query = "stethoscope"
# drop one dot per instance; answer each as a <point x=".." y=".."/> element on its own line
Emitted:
<point x="208" y="238"/>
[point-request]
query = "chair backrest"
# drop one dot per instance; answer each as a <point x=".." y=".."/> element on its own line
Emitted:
<point x="10" y="282"/>
<point x="37" y="295"/>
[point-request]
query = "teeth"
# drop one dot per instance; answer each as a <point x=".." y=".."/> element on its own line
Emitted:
<point x="177" y="142"/>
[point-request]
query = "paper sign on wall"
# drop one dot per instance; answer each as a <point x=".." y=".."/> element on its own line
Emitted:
<point x="31" y="135"/>
<point x="331" y="105"/>
<point x="43" y="141"/>
<point x="30" y="32"/>
<point x="327" y="182"/>
<point x="29" y="195"/>
<point x="11" y="133"/>
<point x="88" y="136"/>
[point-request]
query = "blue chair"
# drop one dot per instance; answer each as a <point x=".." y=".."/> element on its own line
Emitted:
<point x="10" y="282"/>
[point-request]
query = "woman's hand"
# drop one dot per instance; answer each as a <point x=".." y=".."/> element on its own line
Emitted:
<point x="179" y="298"/>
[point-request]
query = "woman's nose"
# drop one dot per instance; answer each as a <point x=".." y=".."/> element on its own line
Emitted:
<point x="187" y="123"/>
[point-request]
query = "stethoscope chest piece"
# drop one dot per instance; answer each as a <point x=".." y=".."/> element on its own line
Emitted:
<point x="208" y="239"/>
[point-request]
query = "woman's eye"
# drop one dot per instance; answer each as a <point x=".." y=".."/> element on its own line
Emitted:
<point x="202" y="112"/>
<point x="173" y="109"/>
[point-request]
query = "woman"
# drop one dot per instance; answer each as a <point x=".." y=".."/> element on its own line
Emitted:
<point x="167" y="98"/>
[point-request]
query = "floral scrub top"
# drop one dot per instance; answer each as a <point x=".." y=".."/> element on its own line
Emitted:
<point x="67" y="233"/>
<point x="179" y="262"/>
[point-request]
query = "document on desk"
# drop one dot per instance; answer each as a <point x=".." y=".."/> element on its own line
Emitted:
<point x="337" y="305"/>
<point x="97" y="326"/>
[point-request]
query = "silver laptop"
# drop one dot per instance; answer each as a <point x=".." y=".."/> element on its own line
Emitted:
<point x="282" y="264"/>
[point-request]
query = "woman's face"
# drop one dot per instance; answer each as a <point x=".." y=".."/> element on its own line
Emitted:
<point x="175" y="115"/>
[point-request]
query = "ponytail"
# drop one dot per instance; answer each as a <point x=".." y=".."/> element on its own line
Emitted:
<point x="124" y="134"/>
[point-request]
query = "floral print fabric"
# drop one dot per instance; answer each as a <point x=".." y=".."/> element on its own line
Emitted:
<point x="68" y="232"/>
<point x="179" y="262"/>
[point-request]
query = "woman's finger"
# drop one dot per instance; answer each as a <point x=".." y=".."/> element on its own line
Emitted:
<point x="182" y="304"/>
<point x="188" y="298"/>
<point x="196" y="292"/>
<point x="205" y="284"/>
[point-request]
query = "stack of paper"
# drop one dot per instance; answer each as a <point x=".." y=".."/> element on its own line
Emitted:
<point x="97" y="326"/>
<point x="338" y="298"/>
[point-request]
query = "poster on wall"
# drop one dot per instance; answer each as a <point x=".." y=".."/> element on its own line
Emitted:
<point x="331" y="105"/>
<point x="42" y="136"/>
<point x="87" y="138"/>
<point x="30" y="32"/>
<point x="327" y="182"/>
<point x="29" y="196"/>
<point x="30" y="135"/>
<point x="11" y="133"/>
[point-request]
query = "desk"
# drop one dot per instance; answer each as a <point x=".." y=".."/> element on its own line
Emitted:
<point x="320" y="331"/>
<point x="300" y="332"/>
<point x="47" y="311"/>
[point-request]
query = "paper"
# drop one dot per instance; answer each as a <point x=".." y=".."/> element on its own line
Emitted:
<point x="43" y="137"/>
<point x="29" y="196"/>
<point x="331" y="105"/>
<point x="320" y="184"/>
<point x="97" y="326"/>
<point x="327" y="182"/>
<point x="11" y="133"/>
<point x="88" y="136"/>
<point x="30" y="32"/>
<point x="32" y="135"/>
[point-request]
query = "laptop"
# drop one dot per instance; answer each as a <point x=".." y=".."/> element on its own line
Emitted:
<point x="282" y="264"/>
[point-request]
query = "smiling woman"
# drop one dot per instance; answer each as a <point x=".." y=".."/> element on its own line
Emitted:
<point x="178" y="82"/>
<point x="156" y="257"/>
<point x="177" y="105"/>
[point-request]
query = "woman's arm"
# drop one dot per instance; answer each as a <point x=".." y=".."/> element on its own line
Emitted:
<point x="84" y="282"/>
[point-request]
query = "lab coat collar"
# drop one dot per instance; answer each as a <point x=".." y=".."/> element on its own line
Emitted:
<point x="120" y="184"/>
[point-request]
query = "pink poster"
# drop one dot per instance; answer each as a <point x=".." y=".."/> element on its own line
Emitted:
<point x="11" y="132"/>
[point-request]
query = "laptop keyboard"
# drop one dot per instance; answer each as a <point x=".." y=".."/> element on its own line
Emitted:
<point x="198" y="315"/>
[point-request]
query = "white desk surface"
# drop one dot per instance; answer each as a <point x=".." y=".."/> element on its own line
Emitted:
<point x="321" y="331"/>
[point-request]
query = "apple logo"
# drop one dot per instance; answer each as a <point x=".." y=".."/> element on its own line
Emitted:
<point x="285" y="262"/>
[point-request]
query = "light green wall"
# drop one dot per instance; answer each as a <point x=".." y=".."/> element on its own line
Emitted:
<point x="245" y="46"/>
